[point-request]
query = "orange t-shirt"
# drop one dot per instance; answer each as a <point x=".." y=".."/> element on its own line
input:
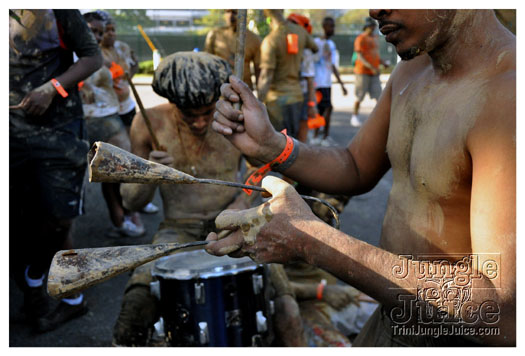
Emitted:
<point x="368" y="47"/>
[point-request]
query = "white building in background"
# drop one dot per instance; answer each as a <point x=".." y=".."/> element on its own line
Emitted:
<point x="175" y="21"/>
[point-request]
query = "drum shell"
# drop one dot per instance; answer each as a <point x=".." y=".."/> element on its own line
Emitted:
<point x="228" y="308"/>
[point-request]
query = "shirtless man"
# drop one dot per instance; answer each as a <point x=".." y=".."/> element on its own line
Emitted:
<point x="445" y="125"/>
<point x="222" y="42"/>
<point x="191" y="82"/>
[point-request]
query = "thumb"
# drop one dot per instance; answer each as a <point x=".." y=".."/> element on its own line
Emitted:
<point x="247" y="97"/>
<point x="275" y="186"/>
<point x="229" y="219"/>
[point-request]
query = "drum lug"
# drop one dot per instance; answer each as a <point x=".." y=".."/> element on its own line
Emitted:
<point x="200" y="297"/>
<point x="233" y="318"/>
<point x="204" y="336"/>
<point x="155" y="289"/>
<point x="262" y="325"/>
<point x="257" y="341"/>
<point x="257" y="281"/>
<point x="159" y="327"/>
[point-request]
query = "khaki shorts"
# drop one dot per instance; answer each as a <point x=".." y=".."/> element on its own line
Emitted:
<point x="370" y="84"/>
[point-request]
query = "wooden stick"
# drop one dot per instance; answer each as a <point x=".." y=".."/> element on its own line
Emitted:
<point x="155" y="142"/>
<point x="238" y="70"/>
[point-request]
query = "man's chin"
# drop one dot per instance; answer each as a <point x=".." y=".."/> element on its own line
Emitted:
<point x="410" y="53"/>
<point x="199" y="132"/>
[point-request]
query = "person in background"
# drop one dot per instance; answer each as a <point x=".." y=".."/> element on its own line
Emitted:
<point x="366" y="68"/>
<point x="223" y="41"/>
<point x="101" y="105"/>
<point x="309" y="109"/>
<point x="47" y="150"/>
<point x="325" y="65"/>
<point x="120" y="59"/>
<point x="279" y="87"/>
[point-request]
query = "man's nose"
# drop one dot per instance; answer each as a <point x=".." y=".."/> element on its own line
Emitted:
<point x="379" y="13"/>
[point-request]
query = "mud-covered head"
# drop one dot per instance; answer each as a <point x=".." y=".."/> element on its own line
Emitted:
<point x="191" y="80"/>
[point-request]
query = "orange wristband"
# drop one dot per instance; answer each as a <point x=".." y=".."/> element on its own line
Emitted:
<point x="259" y="174"/>
<point x="320" y="288"/>
<point x="59" y="88"/>
<point x="311" y="103"/>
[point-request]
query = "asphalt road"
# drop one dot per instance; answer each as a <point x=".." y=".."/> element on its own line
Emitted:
<point x="361" y="218"/>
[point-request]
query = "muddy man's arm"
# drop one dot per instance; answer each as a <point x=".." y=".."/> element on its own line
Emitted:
<point x="136" y="196"/>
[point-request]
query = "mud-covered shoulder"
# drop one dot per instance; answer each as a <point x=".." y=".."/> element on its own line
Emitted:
<point x="406" y="71"/>
<point x="498" y="114"/>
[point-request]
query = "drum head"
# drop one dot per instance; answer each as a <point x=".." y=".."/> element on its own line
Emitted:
<point x="200" y="264"/>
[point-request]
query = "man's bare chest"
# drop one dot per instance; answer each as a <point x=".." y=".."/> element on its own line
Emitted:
<point x="210" y="156"/>
<point x="427" y="141"/>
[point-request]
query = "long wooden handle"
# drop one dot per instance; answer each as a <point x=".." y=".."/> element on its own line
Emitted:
<point x="155" y="142"/>
<point x="238" y="70"/>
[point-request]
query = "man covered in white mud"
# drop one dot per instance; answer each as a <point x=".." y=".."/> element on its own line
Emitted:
<point x="445" y="270"/>
<point x="222" y="42"/>
<point x="191" y="82"/>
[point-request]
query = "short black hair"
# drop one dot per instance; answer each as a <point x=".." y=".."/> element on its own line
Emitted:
<point x="328" y="18"/>
<point x="92" y="16"/>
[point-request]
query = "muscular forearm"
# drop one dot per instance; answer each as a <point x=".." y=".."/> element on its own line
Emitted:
<point x="80" y="70"/>
<point x="304" y="291"/>
<point x="365" y="62"/>
<point x="336" y="73"/>
<point x="395" y="281"/>
<point x="136" y="196"/>
<point x="334" y="172"/>
<point x="263" y="86"/>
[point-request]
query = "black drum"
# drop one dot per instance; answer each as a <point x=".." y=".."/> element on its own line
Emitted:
<point x="213" y="301"/>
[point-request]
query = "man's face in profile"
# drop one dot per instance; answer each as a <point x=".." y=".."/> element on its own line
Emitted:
<point x="230" y="16"/>
<point x="413" y="32"/>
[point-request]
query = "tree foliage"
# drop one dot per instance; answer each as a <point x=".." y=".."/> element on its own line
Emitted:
<point x="352" y="20"/>
<point x="128" y="19"/>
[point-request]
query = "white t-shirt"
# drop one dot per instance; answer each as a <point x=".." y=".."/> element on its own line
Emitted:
<point x="307" y="68"/>
<point x="323" y="66"/>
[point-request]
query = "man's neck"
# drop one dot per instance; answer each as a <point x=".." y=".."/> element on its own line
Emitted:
<point x="467" y="41"/>
<point x="277" y="21"/>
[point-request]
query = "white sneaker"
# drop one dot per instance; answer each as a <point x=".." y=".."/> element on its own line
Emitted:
<point x="328" y="142"/>
<point x="150" y="209"/>
<point x="354" y="121"/>
<point x="315" y="141"/>
<point x="130" y="229"/>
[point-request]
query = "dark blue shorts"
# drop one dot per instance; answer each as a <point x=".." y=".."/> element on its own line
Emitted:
<point x="46" y="172"/>
<point x="326" y="99"/>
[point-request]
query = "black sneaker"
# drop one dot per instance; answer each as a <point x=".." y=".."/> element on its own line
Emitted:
<point x="63" y="313"/>
<point x="36" y="302"/>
